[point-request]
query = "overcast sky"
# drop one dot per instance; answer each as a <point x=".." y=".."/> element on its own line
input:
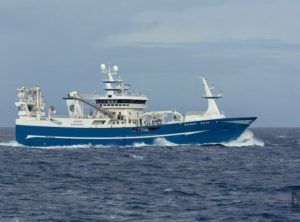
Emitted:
<point x="250" y="50"/>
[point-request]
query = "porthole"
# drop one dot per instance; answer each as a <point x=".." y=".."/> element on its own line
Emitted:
<point x="72" y="108"/>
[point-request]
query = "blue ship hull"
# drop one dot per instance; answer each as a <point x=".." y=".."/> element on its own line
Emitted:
<point x="197" y="132"/>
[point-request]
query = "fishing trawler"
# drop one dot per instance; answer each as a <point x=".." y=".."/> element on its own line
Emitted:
<point x="118" y="118"/>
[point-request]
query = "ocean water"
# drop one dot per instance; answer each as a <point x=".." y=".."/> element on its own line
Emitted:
<point x="251" y="179"/>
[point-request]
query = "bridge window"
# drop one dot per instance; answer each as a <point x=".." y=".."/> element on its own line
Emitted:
<point x="121" y="101"/>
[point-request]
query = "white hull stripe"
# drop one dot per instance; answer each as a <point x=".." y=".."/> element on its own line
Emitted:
<point x="116" y="137"/>
<point x="239" y="121"/>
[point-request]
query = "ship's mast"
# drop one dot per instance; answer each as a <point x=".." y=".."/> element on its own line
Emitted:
<point x="112" y="86"/>
<point x="212" y="108"/>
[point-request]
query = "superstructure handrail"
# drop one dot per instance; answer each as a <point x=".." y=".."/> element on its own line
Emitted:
<point x="127" y="95"/>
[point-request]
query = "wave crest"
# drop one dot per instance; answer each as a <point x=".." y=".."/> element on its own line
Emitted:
<point x="12" y="143"/>
<point x="163" y="142"/>
<point x="246" y="139"/>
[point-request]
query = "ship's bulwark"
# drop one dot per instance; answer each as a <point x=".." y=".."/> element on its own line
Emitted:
<point x="197" y="132"/>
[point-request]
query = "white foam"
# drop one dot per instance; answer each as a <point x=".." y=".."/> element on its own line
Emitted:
<point x="157" y="142"/>
<point x="12" y="143"/>
<point x="163" y="142"/>
<point x="282" y="136"/>
<point x="137" y="157"/>
<point x="168" y="190"/>
<point x="138" y="145"/>
<point x="246" y="139"/>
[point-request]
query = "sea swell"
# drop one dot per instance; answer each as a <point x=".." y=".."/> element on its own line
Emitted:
<point x="162" y="182"/>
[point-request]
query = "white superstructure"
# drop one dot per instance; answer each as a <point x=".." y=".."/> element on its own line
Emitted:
<point x="114" y="108"/>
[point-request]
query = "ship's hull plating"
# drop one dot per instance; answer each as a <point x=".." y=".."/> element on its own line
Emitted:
<point x="197" y="132"/>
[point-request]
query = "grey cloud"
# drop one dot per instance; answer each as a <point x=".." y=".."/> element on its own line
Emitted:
<point x="242" y="21"/>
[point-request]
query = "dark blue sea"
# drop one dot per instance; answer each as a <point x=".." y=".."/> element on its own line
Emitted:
<point x="251" y="179"/>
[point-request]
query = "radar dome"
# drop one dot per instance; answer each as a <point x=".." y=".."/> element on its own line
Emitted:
<point x="115" y="68"/>
<point x="102" y="66"/>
